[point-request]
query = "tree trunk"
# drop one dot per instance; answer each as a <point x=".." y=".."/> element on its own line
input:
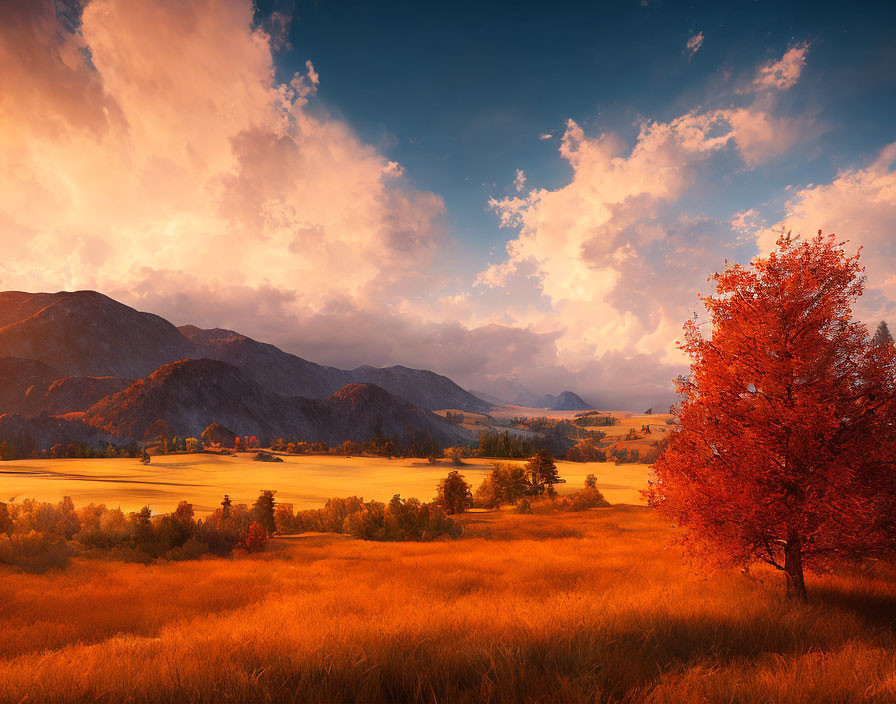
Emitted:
<point x="793" y="567"/>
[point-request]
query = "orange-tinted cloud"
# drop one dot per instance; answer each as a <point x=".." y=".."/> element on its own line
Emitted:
<point x="155" y="137"/>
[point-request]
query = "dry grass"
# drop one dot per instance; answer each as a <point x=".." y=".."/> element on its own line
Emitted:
<point x="560" y="608"/>
<point x="304" y="481"/>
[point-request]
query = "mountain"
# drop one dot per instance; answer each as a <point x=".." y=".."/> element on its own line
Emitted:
<point x="43" y="431"/>
<point x="546" y="401"/>
<point x="84" y="333"/>
<point x="421" y="387"/>
<point x="76" y="393"/>
<point x="290" y="375"/>
<point x="185" y="397"/>
<point x="490" y="399"/>
<point x="23" y="383"/>
<point x="270" y="366"/>
<point x="568" y="401"/>
<point x="87" y="335"/>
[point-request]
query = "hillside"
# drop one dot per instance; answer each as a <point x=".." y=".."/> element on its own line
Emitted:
<point x="182" y="398"/>
<point x="23" y="383"/>
<point x="86" y="335"/>
<point x="290" y="375"/>
<point x="41" y="432"/>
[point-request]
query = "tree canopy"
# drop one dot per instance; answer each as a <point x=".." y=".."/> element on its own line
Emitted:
<point x="785" y="451"/>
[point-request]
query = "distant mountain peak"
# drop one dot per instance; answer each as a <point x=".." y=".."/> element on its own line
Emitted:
<point x="569" y="401"/>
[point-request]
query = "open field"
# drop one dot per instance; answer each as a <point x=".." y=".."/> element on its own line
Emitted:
<point x="306" y="481"/>
<point x="572" y="608"/>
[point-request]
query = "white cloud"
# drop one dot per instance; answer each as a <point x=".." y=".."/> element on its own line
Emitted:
<point x="546" y="135"/>
<point x="519" y="181"/>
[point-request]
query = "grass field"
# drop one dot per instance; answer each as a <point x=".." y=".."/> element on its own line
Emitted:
<point x="590" y="607"/>
<point x="305" y="481"/>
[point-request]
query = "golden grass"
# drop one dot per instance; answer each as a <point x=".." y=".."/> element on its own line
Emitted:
<point x="304" y="481"/>
<point x="585" y="607"/>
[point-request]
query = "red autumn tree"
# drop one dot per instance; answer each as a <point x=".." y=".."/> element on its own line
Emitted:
<point x="785" y="451"/>
<point x="256" y="538"/>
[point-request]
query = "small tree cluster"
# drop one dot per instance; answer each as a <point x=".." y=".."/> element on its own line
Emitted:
<point x="372" y="520"/>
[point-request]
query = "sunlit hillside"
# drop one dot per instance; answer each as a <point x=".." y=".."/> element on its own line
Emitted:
<point x="590" y="607"/>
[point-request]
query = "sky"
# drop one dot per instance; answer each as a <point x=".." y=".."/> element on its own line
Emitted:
<point x="521" y="197"/>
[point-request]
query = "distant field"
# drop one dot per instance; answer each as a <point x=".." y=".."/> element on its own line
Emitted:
<point x="305" y="481"/>
<point x="575" y="608"/>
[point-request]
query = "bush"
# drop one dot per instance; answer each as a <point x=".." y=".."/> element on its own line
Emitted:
<point x="505" y="485"/>
<point x="453" y="493"/>
<point x="263" y="456"/>
<point x="257" y="538"/>
<point x="589" y="497"/>
<point x="34" y="552"/>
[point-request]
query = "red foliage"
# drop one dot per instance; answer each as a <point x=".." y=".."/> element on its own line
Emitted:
<point x="786" y="444"/>
<point x="256" y="538"/>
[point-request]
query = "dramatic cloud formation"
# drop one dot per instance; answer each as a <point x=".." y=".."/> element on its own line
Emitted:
<point x="617" y="265"/>
<point x="182" y="177"/>
<point x="694" y="43"/>
<point x="128" y="157"/>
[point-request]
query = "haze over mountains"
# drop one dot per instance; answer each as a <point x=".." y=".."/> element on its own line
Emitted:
<point x="109" y="371"/>
<point x="135" y="376"/>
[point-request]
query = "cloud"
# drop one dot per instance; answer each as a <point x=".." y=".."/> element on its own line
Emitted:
<point x="546" y="135"/>
<point x="694" y="43"/>
<point x="123" y="153"/>
<point x="785" y="72"/>
<point x="614" y="254"/>
<point x="859" y="205"/>
<point x="182" y="177"/>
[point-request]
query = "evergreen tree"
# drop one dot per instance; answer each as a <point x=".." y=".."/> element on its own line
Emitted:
<point x="882" y="336"/>
<point x="263" y="510"/>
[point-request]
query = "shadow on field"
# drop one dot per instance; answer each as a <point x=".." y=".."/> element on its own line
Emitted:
<point x="875" y="609"/>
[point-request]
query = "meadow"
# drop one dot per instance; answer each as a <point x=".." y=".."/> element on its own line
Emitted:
<point x="306" y="481"/>
<point x="587" y="607"/>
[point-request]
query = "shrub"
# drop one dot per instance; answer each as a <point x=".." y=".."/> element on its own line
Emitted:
<point x="263" y="456"/>
<point x="453" y="494"/>
<point x="505" y="485"/>
<point x="257" y="538"/>
<point x="34" y="552"/>
<point x="589" y="497"/>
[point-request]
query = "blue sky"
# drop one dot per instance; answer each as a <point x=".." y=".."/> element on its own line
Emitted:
<point x="459" y="93"/>
<point x="341" y="179"/>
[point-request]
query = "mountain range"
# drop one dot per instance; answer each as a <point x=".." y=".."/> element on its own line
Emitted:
<point x="88" y="361"/>
<point x="82" y="365"/>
